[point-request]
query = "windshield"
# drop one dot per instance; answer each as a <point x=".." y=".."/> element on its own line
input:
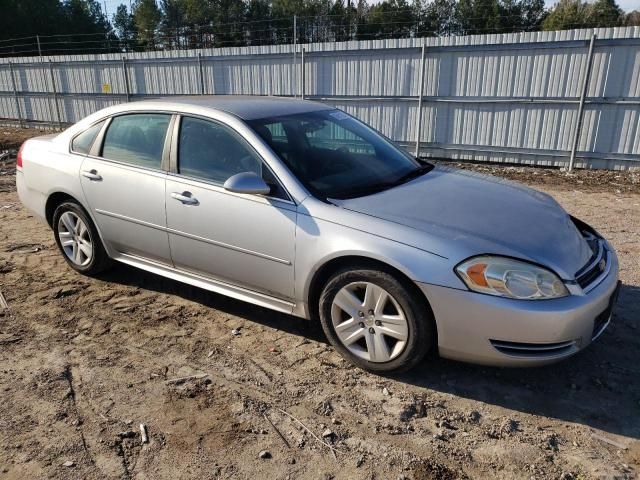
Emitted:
<point x="334" y="155"/>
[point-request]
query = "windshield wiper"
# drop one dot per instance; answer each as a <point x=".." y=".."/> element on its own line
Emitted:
<point x="364" y="191"/>
<point x="379" y="187"/>
<point x="418" y="172"/>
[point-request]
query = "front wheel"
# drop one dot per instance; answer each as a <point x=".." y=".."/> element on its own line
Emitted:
<point x="78" y="239"/>
<point x="375" y="320"/>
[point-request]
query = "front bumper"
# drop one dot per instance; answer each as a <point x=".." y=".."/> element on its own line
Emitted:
<point x="498" y="331"/>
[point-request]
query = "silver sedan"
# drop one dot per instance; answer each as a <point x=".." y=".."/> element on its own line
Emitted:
<point x="301" y="208"/>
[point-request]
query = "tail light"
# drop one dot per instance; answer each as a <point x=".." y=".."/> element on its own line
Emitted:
<point x="19" y="157"/>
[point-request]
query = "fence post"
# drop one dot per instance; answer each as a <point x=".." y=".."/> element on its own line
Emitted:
<point x="295" y="48"/>
<point x="15" y="94"/>
<point x="125" y="75"/>
<point x="583" y="95"/>
<point x="420" y="95"/>
<point x="55" y="94"/>
<point x="201" y="74"/>
<point x="302" y="75"/>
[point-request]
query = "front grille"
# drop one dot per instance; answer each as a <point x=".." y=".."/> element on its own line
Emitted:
<point x="596" y="269"/>
<point x="533" y="350"/>
<point x="597" y="264"/>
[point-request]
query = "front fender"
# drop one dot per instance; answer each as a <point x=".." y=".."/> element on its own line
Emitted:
<point x="320" y="241"/>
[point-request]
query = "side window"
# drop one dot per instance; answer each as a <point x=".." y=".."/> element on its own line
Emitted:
<point x="83" y="141"/>
<point x="136" y="139"/>
<point x="210" y="151"/>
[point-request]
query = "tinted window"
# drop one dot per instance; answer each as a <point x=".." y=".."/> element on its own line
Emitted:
<point x="335" y="155"/>
<point x="332" y="135"/>
<point x="211" y="151"/>
<point x="136" y="139"/>
<point x="82" y="142"/>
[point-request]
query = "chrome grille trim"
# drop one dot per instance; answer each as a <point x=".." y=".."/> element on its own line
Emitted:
<point x="590" y="275"/>
<point x="597" y="254"/>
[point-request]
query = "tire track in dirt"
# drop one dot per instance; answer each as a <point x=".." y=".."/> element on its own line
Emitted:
<point x="124" y="334"/>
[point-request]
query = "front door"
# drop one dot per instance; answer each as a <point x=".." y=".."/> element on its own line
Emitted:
<point x="124" y="184"/>
<point x="245" y="240"/>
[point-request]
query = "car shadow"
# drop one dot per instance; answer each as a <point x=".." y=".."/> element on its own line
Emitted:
<point x="598" y="387"/>
<point x="134" y="277"/>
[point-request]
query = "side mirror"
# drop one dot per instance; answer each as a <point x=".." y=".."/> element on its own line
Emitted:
<point x="247" y="182"/>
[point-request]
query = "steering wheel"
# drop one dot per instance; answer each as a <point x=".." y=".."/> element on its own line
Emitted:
<point x="247" y="163"/>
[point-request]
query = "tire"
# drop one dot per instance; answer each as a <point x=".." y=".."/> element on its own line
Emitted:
<point x="65" y="230"/>
<point x="378" y="326"/>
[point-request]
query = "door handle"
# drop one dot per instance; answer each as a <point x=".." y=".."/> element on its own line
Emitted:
<point x="185" y="197"/>
<point x="92" y="175"/>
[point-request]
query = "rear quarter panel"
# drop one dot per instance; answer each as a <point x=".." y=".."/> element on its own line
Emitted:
<point x="47" y="167"/>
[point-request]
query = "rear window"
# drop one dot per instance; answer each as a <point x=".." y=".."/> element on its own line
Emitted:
<point x="82" y="143"/>
<point x="136" y="139"/>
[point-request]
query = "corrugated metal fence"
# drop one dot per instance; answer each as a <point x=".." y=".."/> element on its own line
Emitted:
<point x="523" y="98"/>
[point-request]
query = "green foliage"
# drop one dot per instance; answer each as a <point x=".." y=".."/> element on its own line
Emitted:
<point x="146" y="17"/>
<point x="389" y="19"/>
<point x="569" y="14"/>
<point x="124" y="25"/>
<point x="173" y="22"/>
<point x="521" y="15"/>
<point x="79" y="26"/>
<point x="436" y="19"/>
<point x="605" y="13"/>
<point x="632" y="19"/>
<point x="24" y="19"/>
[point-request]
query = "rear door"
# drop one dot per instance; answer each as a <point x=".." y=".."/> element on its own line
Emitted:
<point x="124" y="183"/>
<point x="245" y="240"/>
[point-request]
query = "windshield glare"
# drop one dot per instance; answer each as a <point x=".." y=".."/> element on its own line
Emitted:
<point x="333" y="154"/>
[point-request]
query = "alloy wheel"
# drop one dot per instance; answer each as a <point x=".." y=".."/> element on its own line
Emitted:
<point x="369" y="322"/>
<point x="75" y="239"/>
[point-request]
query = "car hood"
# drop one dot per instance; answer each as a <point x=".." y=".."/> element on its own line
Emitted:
<point x="470" y="214"/>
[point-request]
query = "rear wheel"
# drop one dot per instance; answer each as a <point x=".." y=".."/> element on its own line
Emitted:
<point x="78" y="239"/>
<point x="376" y="321"/>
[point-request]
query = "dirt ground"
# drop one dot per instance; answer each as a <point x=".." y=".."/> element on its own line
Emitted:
<point x="83" y="362"/>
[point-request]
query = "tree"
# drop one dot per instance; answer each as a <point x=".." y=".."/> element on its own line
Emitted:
<point x="567" y="14"/>
<point x="521" y="15"/>
<point x="605" y="13"/>
<point x="260" y="30"/>
<point x="632" y="19"/>
<point x="197" y="13"/>
<point x="70" y="26"/>
<point x="146" y="17"/>
<point x="173" y="20"/>
<point x="229" y="15"/>
<point x="340" y="21"/>
<point x="436" y="19"/>
<point x="476" y="17"/>
<point x="21" y="18"/>
<point x="80" y="26"/>
<point x="389" y="19"/>
<point x="282" y="12"/>
<point x="124" y="26"/>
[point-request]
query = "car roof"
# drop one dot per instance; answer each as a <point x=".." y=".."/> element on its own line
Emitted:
<point x="243" y="106"/>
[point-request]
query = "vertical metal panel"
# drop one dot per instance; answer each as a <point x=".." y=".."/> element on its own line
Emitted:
<point x="511" y="97"/>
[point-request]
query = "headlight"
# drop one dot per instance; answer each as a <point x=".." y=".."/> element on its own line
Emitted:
<point x="505" y="277"/>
